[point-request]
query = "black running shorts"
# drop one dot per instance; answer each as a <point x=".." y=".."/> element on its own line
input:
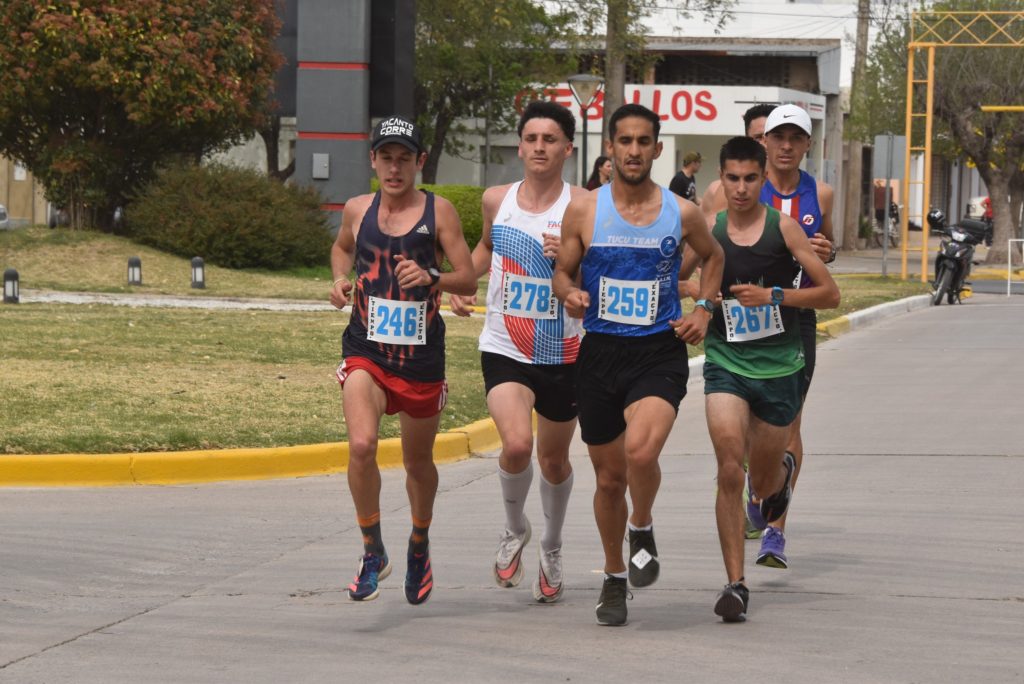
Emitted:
<point x="552" y="385"/>
<point x="612" y="372"/>
<point x="809" y="338"/>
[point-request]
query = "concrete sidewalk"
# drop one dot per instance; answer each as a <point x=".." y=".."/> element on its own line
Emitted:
<point x="902" y="542"/>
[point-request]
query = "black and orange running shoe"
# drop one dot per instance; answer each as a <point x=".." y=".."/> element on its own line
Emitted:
<point x="419" y="578"/>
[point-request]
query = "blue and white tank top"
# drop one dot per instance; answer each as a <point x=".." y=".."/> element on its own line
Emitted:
<point x="524" y="321"/>
<point x="631" y="272"/>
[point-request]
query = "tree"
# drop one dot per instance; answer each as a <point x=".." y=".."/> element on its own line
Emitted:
<point x="625" y="32"/>
<point x="472" y="61"/>
<point x="95" y="94"/>
<point x="965" y="79"/>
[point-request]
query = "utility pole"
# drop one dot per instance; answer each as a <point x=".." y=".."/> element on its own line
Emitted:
<point x="615" y="60"/>
<point x="852" y="205"/>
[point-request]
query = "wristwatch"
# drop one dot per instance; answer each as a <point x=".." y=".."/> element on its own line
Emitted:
<point x="777" y="295"/>
<point x="706" y="305"/>
<point x="434" y="274"/>
<point x="832" y="254"/>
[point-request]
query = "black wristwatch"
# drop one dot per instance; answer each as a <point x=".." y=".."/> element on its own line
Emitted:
<point x="831" y="254"/>
<point x="434" y="274"/>
<point x="777" y="295"/>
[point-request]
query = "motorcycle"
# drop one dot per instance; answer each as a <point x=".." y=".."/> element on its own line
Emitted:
<point x="878" y="230"/>
<point x="955" y="257"/>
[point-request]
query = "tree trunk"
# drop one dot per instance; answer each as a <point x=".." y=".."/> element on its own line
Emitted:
<point x="614" y="62"/>
<point x="271" y="134"/>
<point x="442" y="123"/>
<point x="851" y="204"/>
<point x="1016" y="202"/>
<point x="854" y="163"/>
<point x="998" y="186"/>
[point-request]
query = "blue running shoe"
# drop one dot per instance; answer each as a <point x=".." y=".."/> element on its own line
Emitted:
<point x="419" y="578"/>
<point x="773" y="549"/>
<point x="760" y="512"/>
<point x="372" y="569"/>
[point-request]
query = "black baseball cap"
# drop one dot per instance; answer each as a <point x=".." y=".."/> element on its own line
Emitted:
<point x="396" y="129"/>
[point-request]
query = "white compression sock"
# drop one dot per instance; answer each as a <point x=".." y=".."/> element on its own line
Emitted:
<point x="514" y="489"/>
<point x="555" y="500"/>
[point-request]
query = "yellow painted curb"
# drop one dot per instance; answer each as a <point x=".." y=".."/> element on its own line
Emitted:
<point x="834" y="327"/>
<point x="190" y="467"/>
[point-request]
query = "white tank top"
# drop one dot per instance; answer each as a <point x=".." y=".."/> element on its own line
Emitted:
<point x="524" y="320"/>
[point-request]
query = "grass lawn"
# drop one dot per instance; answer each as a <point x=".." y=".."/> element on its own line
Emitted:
<point x="98" y="379"/>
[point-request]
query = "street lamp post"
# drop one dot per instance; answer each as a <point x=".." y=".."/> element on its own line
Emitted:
<point x="585" y="88"/>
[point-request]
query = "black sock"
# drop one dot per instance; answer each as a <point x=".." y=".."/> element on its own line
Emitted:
<point x="418" y="541"/>
<point x="372" y="542"/>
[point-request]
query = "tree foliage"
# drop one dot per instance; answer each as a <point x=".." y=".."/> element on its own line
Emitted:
<point x="623" y="24"/>
<point x="473" y="58"/>
<point x="966" y="78"/>
<point x="94" y="94"/>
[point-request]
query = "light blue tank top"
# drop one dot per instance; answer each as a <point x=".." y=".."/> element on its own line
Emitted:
<point x="631" y="272"/>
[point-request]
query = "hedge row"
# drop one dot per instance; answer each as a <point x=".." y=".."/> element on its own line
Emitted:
<point x="236" y="218"/>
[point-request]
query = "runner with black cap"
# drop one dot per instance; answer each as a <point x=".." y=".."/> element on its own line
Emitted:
<point x="393" y="348"/>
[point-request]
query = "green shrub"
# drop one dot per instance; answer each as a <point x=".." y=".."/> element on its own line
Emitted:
<point x="465" y="198"/>
<point x="231" y="217"/>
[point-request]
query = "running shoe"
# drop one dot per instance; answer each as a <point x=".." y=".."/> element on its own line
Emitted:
<point x="372" y="569"/>
<point x="548" y="587"/>
<point x="419" y="578"/>
<point x="508" y="566"/>
<point x="773" y="549"/>
<point x="643" y="558"/>
<point x="732" y="602"/>
<point x="611" y="607"/>
<point x="763" y="511"/>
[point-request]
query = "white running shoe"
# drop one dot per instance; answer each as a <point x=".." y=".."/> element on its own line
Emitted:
<point x="508" y="566"/>
<point x="548" y="586"/>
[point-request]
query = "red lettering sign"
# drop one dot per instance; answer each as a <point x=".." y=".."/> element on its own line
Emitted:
<point x="682" y="114"/>
<point x="706" y="110"/>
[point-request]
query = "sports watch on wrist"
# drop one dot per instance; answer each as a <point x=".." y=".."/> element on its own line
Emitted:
<point x="777" y="295"/>
<point x="434" y="274"/>
<point x="706" y="305"/>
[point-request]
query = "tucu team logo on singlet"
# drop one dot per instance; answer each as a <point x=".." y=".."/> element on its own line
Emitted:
<point x="668" y="246"/>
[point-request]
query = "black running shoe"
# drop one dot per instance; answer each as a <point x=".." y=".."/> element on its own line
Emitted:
<point x="732" y="602"/>
<point x="643" y="558"/>
<point x="774" y="506"/>
<point x="419" y="578"/>
<point x="611" y="607"/>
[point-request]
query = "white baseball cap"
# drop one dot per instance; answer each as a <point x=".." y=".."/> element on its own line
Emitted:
<point x="788" y="114"/>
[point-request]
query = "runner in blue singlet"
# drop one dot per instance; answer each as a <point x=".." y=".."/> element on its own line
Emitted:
<point x="617" y="269"/>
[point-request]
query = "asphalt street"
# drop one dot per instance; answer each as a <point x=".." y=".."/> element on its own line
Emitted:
<point x="903" y="543"/>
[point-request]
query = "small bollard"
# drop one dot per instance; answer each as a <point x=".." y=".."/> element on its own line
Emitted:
<point x="198" y="273"/>
<point x="11" y="293"/>
<point x="134" y="270"/>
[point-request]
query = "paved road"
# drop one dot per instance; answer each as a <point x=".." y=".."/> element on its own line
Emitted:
<point x="904" y="544"/>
